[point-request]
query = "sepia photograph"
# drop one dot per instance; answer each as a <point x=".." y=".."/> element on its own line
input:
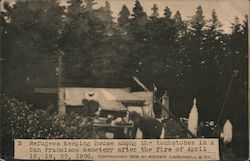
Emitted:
<point x="173" y="72"/>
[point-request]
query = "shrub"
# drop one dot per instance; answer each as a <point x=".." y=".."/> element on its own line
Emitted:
<point x="22" y="121"/>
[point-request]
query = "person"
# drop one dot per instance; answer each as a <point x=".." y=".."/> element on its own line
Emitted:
<point x="151" y="128"/>
<point x="90" y="107"/>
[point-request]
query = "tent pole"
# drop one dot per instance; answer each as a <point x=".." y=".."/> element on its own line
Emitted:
<point x="234" y="74"/>
<point x="164" y="108"/>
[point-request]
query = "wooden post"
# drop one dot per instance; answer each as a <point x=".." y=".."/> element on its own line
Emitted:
<point x="165" y="103"/>
<point x="61" y="104"/>
<point x="59" y="70"/>
<point x="169" y="112"/>
<point x="61" y="92"/>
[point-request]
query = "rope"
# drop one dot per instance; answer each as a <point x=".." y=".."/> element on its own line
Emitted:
<point x="234" y="74"/>
<point x="164" y="108"/>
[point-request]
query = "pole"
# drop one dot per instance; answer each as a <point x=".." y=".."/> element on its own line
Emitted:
<point x="165" y="109"/>
<point x="234" y="74"/>
<point x="59" y="78"/>
<point x="59" y="84"/>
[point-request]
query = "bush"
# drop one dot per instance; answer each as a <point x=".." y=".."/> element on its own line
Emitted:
<point x="22" y="121"/>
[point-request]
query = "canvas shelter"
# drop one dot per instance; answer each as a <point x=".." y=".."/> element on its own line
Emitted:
<point x="110" y="99"/>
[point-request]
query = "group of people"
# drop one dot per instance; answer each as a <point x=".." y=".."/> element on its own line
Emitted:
<point x="151" y="128"/>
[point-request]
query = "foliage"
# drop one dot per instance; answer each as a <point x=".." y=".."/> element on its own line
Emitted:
<point x="193" y="58"/>
<point x="30" y="43"/>
<point x="26" y="122"/>
<point x="155" y="12"/>
<point x="190" y="59"/>
<point x="167" y="12"/>
<point x="124" y="14"/>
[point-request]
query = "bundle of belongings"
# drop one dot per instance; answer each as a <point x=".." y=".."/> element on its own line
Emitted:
<point x="110" y="108"/>
<point x="112" y="121"/>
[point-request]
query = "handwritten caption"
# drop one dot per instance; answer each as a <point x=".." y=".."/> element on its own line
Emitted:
<point x="122" y="149"/>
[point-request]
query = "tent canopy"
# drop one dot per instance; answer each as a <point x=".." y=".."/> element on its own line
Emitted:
<point x="109" y="98"/>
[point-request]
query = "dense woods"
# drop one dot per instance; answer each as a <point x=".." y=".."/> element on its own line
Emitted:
<point x="191" y="58"/>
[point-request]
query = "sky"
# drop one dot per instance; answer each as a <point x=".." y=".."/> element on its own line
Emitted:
<point x="225" y="9"/>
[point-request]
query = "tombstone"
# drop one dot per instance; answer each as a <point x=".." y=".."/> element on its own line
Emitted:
<point x="227" y="132"/>
<point x="193" y="119"/>
<point x="165" y="103"/>
<point x="162" y="133"/>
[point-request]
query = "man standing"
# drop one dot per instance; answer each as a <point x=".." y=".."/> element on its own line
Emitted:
<point x="151" y="128"/>
<point x="90" y="107"/>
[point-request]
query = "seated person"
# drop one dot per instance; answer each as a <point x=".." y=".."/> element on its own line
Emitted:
<point x="151" y="128"/>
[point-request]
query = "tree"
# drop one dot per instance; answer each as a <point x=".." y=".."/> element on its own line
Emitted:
<point x="89" y="4"/>
<point x="191" y="54"/>
<point x="215" y="23"/>
<point x="31" y="41"/>
<point x="180" y="25"/>
<point x="236" y="26"/>
<point x="214" y="43"/>
<point x="104" y="14"/>
<point x="75" y="42"/>
<point x="168" y="13"/>
<point x="4" y="16"/>
<point x="155" y="12"/>
<point x="195" y="40"/>
<point x="236" y="62"/>
<point x="212" y="60"/>
<point x="139" y="16"/>
<point x="124" y="14"/>
<point x="137" y="30"/>
<point x="75" y="8"/>
<point x="95" y="48"/>
<point x="197" y="22"/>
<point x="245" y="25"/>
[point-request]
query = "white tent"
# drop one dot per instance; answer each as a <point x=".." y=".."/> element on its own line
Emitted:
<point x="111" y="99"/>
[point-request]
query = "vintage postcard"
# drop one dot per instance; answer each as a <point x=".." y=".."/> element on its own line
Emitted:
<point x="124" y="80"/>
